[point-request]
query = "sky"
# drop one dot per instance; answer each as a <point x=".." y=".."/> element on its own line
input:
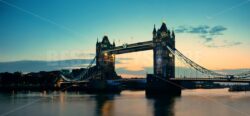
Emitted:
<point x="213" y="33"/>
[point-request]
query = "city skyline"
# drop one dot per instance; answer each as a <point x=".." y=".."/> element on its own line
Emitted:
<point x="218" y="39"/>
<point x="110" y="57"/>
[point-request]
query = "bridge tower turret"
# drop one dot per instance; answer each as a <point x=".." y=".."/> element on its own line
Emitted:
<point x="154" y="32"/>
<point x="105" y="62"/>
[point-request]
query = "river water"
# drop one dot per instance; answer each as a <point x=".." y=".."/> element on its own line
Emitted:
<point x="197" y="102"/>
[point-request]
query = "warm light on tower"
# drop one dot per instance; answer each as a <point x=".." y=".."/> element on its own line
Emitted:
<point x="105" y="54"/>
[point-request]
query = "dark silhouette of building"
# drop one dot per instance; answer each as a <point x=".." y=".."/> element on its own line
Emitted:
<point x="164" y="61"/>
<point x="105" y="61"/>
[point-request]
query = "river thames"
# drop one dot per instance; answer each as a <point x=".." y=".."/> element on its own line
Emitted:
<point x="196" y="102"/>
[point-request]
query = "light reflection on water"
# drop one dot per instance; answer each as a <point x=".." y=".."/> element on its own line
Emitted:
<point x="133" y="103"/>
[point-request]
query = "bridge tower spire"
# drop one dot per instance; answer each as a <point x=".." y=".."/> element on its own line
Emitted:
<point x="154" y="32"/>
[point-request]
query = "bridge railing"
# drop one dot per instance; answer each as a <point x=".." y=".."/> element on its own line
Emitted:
<point x="129" y="47"/>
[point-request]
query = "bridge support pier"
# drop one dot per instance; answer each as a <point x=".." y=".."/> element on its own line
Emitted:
<point x="157" y="87"/>
<point x="102" y="86"/>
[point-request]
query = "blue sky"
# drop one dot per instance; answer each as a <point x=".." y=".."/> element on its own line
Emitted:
<point x="68" y="29"/>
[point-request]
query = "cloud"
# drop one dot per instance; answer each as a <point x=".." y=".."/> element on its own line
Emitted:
<point x="204" y="31"/>
<point x="92" y="54"/>
<point x="132" y="73"/>
<point x="226" y="44"/>
<point x="181" y="29"/>
<point x="80" y="54"/>
<point x="36" y="66"/>
<point x="208" y="34"/>
<point x="179" y="72"/>
<point x="217" y="30"/>
<point x="233" y="71"/>
<point x="124" y="59"/>
<point x="121" y="60"/>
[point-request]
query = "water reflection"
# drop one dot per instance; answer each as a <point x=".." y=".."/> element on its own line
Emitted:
<point x="104" y="104"/>
<point x="163" y="105"/>
<point x="127" y="103"/>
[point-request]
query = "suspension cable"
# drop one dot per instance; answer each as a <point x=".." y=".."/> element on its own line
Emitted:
<point x="193" y="64"/>
<point x="81" y="75"/>
<point x="243" y="74"/>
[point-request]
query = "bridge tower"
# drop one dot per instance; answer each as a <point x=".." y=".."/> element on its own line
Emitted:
<point x="105" y="62"/>
<point x="164" y="62"/>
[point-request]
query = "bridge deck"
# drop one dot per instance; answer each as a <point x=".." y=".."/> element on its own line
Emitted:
<point x="73" y="82"/>
<point x="173" y="79"/>
<point x="128" y="48"/>
<point x="212" y="79"/>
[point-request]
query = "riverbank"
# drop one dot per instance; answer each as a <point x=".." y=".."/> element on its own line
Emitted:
<point x="236" y="88"/>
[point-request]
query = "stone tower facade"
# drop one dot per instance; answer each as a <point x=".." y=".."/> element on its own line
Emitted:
<point x="105" y="61"/>
<point x="164" y="60"/>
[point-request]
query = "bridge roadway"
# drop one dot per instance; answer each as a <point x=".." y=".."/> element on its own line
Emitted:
<point x="128" y="48"/>
<point x="213" y="79"/>
<point x="143" y="80"/>
<point x="192" y="79"/>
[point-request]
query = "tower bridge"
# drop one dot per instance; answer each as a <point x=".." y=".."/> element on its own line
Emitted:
<point x="164" y="54"/>
<point x="164" y="60"/>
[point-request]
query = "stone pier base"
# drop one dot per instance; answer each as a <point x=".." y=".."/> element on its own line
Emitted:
<point x="157" y="86"/>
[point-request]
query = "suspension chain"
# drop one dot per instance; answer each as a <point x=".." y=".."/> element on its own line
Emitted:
<point x="193" y="64"/>
<point x="81" y="75"/>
